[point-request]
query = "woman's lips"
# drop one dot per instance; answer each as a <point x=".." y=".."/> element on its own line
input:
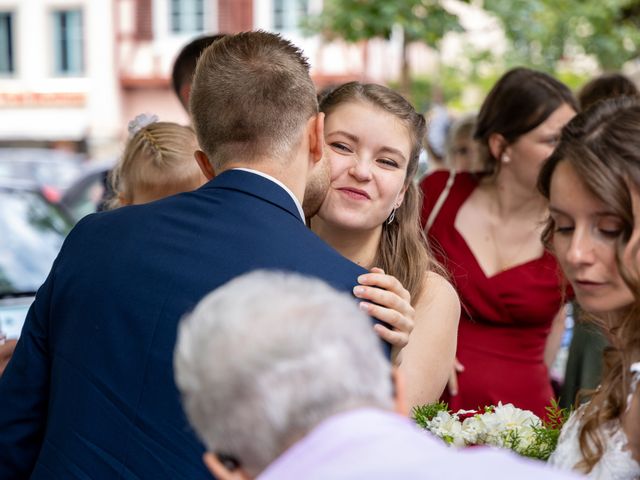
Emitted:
<point x="588" y="285"/>
<point x="354" y="193"/>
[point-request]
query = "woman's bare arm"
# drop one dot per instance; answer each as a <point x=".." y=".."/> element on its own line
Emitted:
<point x="428" y="358"/>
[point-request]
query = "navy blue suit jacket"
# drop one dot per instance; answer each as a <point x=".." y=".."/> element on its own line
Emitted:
<point x="89" y="393"/>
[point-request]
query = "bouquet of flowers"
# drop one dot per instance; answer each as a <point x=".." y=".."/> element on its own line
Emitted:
<point x="503" y="426"/>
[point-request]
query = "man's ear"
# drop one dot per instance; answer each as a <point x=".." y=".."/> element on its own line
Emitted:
<point x="399" y="392"/>
<point x="184" y="94"/>
<point x="217" y="468"/>
<point x="497" y="145"/>
<point x="315" y="130"/>
<point x="204" y="164"/>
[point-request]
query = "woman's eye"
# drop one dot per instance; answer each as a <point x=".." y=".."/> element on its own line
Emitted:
<point x="610" y="232"/>
<point x="552" y="140"/>
<point x="610" y="229"/>
<point x="341" y="147"/>
<point x="561" y="226"/>
<point x="563" y="229"/>
<point x="388" y="162"/>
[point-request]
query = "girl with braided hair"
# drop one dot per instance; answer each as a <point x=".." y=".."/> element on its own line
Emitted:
<point x="157" y="162"/>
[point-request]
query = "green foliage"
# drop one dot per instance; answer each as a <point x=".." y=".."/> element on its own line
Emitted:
<point x="544" y="32"/>
<point x="537" y="442"/>
<point x="556" y="415"/>
<point x="545" y="438"/>
<point x="424" y="413"/>
<point x="353" y="20"/>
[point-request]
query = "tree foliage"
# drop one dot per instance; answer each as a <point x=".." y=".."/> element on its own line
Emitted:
<point x="424" y="21"/>
<point x="353" y="20"/>
<point x="544" y="32"/>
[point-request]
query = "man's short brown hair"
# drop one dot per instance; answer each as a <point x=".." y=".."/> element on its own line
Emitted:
<point x="251" y="97"/>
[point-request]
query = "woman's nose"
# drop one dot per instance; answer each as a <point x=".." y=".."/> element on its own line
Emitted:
<point x="361" y="169"/>
<point x="581" y="249"/>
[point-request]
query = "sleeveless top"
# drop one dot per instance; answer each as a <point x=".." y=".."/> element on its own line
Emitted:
<point x="616" y="463"/>
<point x="505" y="318"/>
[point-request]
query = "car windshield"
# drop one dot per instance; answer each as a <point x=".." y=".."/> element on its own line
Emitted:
<point x="57" y="169"/>
<point x="32" y="234"/>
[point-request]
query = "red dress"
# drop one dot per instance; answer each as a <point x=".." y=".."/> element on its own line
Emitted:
<point x="505" y="318"/>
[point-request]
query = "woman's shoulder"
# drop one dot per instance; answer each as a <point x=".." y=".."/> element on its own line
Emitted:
<point x="438" y="292"/>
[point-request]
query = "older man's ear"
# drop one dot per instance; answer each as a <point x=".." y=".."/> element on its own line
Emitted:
<point x="221" y="472"/>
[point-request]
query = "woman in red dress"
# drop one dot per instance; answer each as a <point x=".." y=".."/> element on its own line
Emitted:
<point x="485" y="229"/>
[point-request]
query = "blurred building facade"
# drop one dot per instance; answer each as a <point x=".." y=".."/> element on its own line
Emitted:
<point x="74" y="72"/>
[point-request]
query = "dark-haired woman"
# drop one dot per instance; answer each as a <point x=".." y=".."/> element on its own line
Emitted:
<point x="486" y="228"/>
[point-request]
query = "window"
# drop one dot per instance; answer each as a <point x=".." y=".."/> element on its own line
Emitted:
<point x="288" y="13"/>
<point x="6" y="43"/>
<point x="187" y="16"/>
<point x="68" y="42"/>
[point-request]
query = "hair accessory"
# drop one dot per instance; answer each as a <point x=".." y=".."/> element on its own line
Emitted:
<point x="140" y="122"/>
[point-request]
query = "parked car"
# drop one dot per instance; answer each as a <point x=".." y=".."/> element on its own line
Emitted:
<point x="89" y="191"/>
<point x="52" y="170"/>
<point x="32" y="231"/>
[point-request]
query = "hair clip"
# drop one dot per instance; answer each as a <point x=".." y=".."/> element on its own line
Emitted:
<point x="140" y="122"/>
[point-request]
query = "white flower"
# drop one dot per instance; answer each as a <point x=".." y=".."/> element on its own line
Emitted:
<point x="474" y="431"/>
<point x="447" y="427"/>
<point x="507" y="423"/>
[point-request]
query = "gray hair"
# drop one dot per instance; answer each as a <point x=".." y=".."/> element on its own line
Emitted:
<point x="269" y="355"/>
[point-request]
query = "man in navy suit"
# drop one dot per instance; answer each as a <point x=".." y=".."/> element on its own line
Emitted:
<point x="89" y="393"/>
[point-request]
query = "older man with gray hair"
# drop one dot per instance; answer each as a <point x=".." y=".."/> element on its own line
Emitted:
<point x="282" y="378"/>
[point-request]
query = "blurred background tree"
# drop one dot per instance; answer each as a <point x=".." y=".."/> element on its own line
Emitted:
<point x="543" y="33"/>
<point x="548" y="35"/>
<point x="425" y="21"/>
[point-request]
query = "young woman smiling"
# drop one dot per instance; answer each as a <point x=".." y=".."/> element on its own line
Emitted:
<point x="371" y="215"/>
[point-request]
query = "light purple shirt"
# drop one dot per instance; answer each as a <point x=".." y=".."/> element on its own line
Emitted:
<point x="371" y="444"/>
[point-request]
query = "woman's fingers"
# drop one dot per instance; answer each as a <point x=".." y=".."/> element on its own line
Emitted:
<point x="385" y="298"/>
<point x="396" y="338"/>
<point x="393" y="318"/>
<point x="377" y="278"/>
<point x="452" y="384"/>
<point x="457" y="365"/>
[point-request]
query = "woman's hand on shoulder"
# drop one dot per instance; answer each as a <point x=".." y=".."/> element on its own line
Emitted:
<point x="386" y="299"/>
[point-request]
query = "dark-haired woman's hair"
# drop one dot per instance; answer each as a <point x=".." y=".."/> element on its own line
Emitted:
<point x="403" y="250"/>
<point x="607" y="85"/>
<point x="521" y="100"/>
<point x="602" y="145"/>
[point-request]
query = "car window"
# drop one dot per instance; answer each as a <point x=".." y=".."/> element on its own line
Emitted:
<point x="32" y="234"/>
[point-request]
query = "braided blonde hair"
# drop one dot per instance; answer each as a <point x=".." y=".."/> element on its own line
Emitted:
<point x="157" y="162"/>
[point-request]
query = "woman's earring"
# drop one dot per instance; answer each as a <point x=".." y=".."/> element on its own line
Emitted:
<point x="505" y="158"/>
<point x="392" y="216"/>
